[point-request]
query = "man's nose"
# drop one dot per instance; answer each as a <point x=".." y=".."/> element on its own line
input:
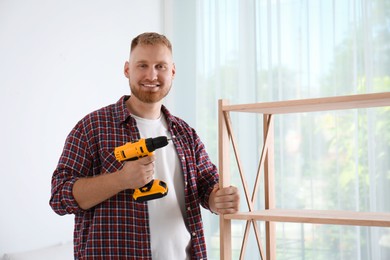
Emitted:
<point x="152" y="74"/>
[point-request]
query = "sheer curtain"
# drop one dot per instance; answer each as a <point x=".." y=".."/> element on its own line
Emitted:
<point x="269" y="50"/>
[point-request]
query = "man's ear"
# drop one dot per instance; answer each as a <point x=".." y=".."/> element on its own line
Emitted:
<point x="126" y="70"/>
<point x="173" y="71"/>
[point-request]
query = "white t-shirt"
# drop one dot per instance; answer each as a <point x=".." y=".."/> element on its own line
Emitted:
<point x="170" y="238"/>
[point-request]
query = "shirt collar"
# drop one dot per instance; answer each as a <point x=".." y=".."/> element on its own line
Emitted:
<point x="123" y="116"/>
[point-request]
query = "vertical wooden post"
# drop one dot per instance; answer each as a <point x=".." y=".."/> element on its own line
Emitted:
<point x="224" y="181"/>
<point x="269" y="186"/>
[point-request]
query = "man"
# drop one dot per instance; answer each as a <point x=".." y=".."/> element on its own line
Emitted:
<point x="90" y="183"/>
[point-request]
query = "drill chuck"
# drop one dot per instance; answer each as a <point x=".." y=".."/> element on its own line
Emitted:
<point x="155" y="143"/>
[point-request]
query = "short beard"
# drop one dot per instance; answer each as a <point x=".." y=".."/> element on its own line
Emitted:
<point x="149" y="96"/>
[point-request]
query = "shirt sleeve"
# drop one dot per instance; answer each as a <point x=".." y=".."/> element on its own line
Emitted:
<point x="74" y="163"/>
<point x="207" y="173"/>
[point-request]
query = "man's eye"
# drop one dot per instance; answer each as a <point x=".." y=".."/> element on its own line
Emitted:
<point x="142" y="65"/>
<point x="160" y="67"/>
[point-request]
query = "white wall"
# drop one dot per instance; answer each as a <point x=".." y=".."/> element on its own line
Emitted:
<point x="58" y="61"/>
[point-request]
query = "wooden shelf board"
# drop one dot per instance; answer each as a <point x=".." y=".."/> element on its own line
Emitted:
<point x="314" y="104"/>
<point x="334" y="217"/>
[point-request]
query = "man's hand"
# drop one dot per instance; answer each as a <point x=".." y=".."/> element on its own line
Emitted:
<point x="225" y="200"/>
<point x="136" y="174"/>
<point x="90" y="191"/>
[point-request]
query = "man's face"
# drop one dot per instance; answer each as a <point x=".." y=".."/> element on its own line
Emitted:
<point x="150" y="71"/>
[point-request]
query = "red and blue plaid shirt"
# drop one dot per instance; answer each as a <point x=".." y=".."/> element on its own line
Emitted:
<point x="118" y="228"/>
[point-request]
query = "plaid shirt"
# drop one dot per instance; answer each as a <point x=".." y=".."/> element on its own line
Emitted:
<point x="118" y="228"/>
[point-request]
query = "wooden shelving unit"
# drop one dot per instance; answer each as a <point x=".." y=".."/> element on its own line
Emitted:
<point x="271" y="214"/>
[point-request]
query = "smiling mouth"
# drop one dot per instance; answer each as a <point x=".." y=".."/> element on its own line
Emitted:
<point x="150" y="85"/>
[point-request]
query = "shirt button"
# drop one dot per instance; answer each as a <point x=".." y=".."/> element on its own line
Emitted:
<point x="193" y="234"/>
<point x="188" y="208"/>
<point x="183" y="158"/>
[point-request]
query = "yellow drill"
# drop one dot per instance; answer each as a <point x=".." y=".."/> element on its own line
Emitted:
<point x="133" y="151"/>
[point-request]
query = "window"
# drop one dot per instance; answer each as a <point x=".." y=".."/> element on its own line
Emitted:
<point x="269" y="50"/>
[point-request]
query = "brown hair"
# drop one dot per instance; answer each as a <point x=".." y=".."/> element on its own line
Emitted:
<point x="150" y="38"/>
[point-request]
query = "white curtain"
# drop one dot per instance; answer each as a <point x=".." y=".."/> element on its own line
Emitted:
<point x="269" y="50"/>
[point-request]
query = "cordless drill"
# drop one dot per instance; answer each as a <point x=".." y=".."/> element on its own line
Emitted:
<point x="133" y="151"/>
